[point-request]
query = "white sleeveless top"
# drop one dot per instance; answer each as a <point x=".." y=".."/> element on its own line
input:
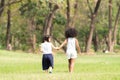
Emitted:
<point x="46" y="47"/>
<point x="71" y="46"/>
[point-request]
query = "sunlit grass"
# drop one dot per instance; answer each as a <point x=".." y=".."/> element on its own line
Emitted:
<point x="24" y="66"/>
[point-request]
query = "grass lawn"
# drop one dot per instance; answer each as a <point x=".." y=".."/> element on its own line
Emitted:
<point x="23" y="66"/>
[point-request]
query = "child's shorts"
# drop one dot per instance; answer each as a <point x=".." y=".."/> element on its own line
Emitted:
<point x="47" y="61"/>
<point x="71" y="55"/>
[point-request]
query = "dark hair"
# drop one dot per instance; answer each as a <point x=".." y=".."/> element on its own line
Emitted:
<point x="70" y="32"/>
<point x="46" y="38"/>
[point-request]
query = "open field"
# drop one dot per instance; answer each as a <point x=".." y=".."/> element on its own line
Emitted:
<point x="23" y="66"/>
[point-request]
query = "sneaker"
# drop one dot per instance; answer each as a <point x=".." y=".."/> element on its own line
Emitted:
<point x="50" y="70"/>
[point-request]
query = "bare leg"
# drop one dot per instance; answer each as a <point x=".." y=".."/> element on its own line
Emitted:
<point x="46" y="71"/>
<point x="71" y="64"/>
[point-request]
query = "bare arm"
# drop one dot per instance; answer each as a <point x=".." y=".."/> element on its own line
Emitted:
<point x="77" y="46"/>
<point x="63" y="43"/>
<point x="53" y="46"/>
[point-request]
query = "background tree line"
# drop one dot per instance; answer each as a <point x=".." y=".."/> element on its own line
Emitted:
<point x="24" y="22"/>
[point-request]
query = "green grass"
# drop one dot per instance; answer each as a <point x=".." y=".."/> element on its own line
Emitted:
<point x="23" y="66"/>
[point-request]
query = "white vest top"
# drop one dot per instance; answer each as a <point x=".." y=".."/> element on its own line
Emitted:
<point x="71" y="45"/>
<point x="46" y="47"/>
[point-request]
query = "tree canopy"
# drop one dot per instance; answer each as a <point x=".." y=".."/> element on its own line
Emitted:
<point x="24" y="22"/>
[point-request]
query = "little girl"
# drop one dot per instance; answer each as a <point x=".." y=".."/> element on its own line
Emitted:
<point x="72" y="44"/>
<point x="47" y="59"/>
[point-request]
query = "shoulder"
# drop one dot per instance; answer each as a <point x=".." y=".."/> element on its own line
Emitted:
<point x="76" y="39"/>
<point x="47" y="43"/>
<point x="66" y="40"/>
<point x="42" y="43"/>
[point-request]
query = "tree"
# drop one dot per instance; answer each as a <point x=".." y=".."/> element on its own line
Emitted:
<point x="68" y="14"/>
<point x="47" y="28"/>
<point x="71" y="20"/>
<point x="8" y="26"/>
<point x="29" y="10"/>
<point x="112" y="32"/>
<point x="92" y="27"/>
<point x="8" y="32"/>
<point x="52" y="17"/>
<point x="75" y="13"/>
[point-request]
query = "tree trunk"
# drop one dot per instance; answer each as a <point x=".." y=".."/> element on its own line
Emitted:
<point x="2" y="3"/>
<point x="90" y="34"/>
<point x="92" y="27"/>
<point x="110" y="46"/>
<point x="8" y="27"/>
<point x="68" y="14"/>
<point x="32" y="39"/>
<point x="115" y="27"/>
<point x="71" y="21"/>
<point x="48" y="21"/>
<point x="33" y="36"/>
<point x="34" y="42"/>
<point x="112" y="31"/>
<point x="118" y="38"/>
<point x="75" y="13"/>
<point x="95" y="41"/>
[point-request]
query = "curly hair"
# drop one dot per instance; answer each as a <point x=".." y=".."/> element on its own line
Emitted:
<point x="71" y="32"/>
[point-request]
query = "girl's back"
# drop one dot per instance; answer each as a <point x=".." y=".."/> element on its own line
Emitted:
<point x="71" y="46"/>
<point x="46" y="48"/>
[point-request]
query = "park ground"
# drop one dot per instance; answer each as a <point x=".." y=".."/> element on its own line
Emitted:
<point x="16" y="65"/>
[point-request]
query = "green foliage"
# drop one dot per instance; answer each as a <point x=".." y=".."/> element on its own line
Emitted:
<point x="60" y="19"/>
<point x="28" y="9"/>
<point x="39" y="9"/>
<point x="2" y="35"/>
<point x="41" y="14"/>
